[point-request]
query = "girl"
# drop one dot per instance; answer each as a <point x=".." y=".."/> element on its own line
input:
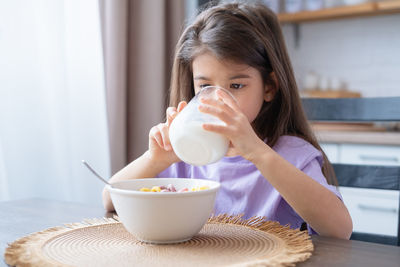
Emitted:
<point x="274" y="166"/>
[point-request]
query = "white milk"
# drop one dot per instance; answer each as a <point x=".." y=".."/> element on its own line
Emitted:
<point x="194" y="145"/>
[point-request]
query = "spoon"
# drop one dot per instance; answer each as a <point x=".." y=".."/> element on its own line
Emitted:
<point x="95" y="173"/>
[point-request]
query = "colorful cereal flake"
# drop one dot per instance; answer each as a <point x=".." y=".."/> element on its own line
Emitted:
<point x="171" y="188"/>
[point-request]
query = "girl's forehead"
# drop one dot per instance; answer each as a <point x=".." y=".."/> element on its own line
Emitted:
<point x="207" y="61"/>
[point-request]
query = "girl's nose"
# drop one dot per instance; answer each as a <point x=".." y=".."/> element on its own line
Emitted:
<point x="222" y="86"/>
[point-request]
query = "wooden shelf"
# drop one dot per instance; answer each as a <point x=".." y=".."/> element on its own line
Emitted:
<point x="366" y="9"/>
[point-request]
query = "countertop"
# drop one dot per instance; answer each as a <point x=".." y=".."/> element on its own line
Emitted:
<point x="359" y="137"/>
<point x="355" y="133"/>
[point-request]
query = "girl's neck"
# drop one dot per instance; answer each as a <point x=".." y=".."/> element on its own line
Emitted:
<point x="231" y="152"/>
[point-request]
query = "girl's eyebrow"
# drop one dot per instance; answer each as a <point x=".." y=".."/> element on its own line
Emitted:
<point x="201" y="78"/>
<point x="239" y="76"/>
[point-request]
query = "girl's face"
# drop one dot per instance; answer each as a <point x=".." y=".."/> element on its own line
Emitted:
<point x="244" y="82"/>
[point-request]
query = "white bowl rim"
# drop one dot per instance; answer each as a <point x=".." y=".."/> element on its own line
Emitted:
<point x="216" y="186"/>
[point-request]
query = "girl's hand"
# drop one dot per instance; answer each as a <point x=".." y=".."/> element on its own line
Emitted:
<point x="160" y="148"/>
<point x="238" y="129"/>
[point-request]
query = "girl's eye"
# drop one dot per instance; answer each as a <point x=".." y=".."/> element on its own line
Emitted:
<point x="204" y="85"/>
<point x="237" y="85"/>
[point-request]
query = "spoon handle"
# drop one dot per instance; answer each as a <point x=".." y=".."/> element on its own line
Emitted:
<point x="94" y="172"/>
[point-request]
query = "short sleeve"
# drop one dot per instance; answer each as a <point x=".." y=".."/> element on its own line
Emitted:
<point x="176" y="170"/>
<point x="169" y="172"/>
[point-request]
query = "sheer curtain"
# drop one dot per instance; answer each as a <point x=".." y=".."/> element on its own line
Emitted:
<point x="52" y="100"/>
<point x="3" y="181"/>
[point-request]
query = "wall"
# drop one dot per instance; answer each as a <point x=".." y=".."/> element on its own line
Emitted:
<point x="364" y="52"/>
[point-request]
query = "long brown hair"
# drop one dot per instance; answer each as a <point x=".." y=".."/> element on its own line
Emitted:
<point x="249" y="34"/>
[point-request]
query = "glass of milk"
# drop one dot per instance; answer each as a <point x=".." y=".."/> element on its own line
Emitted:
<point x="191" y="143"/>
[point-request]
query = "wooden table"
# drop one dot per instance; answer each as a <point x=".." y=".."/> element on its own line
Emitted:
<point x="20" y="218"/>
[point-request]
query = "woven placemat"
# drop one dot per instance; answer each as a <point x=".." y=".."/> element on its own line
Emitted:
<point x="223" y="241"/>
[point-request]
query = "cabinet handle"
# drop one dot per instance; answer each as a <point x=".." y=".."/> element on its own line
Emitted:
<point x="374" y="208"/>
<point x="378" y="158"/>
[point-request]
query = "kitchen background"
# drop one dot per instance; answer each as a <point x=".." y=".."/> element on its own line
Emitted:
<point x="360" y="52"/>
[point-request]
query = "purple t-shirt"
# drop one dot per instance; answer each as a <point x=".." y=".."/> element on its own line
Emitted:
<point x="245" y="191"/>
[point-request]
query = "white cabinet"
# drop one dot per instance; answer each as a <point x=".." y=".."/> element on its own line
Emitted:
<point x="370" y="154"/>
<point x="332" y="151"/>
<point x="373" y="211"/>
<point x="362" y="154"/>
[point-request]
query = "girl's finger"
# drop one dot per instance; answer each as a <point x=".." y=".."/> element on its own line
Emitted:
<point x="171" y="114"/>
<point x="156" y="135"/>
<point x="218" y="103"/>
<point x="227" y="98"/>
<point x="221" y="129"/>
<point x="217" y="112"/>
<point x="181" y="105"/>
<point x="165" y="137"/>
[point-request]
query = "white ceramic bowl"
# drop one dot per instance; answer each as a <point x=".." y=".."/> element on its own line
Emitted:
<point x="163" y="217"/>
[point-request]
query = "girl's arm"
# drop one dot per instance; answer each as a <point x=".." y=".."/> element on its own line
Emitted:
<point x="159" y="156"/>
<point x="318" y="206"/>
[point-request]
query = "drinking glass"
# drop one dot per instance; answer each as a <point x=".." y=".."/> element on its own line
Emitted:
<point x="191" y="143"/>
